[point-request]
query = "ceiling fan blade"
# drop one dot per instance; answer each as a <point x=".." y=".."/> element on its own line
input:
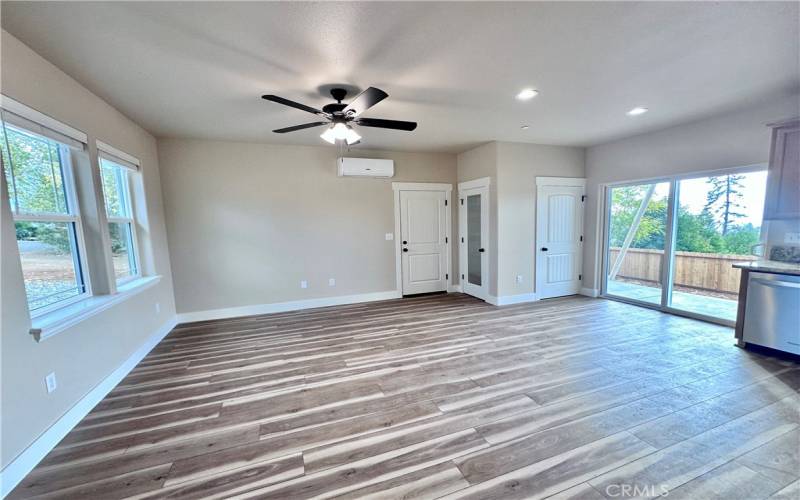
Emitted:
<point x="364" y="101"/>
<point x="393" y="124"/>
<point x="292" y="104"/>
<point x="299" y="127"/>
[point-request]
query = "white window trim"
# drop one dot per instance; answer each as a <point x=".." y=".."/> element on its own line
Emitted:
<point x="63" y="318"/>
<point x="74" y="217"/>
<point x="124" y="220"/>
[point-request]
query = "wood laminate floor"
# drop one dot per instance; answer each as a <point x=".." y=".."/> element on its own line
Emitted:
<point x="440" y="396"/>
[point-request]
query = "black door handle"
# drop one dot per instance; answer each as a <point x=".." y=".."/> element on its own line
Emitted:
<point x="405" y="249"/>
<point x="405" y="242"/>
<point x="481" y="250"/>
<point x="544" y="249"/>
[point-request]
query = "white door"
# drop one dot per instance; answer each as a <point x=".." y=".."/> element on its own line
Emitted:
<point x="559" y="240"/>
<point x="474" y="241"/>
<point x="423" y="234"/>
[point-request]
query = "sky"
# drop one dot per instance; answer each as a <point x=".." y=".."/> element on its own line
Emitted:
<point x="754" y="184"/>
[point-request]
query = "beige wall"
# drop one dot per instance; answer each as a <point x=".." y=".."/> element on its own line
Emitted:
<point x="513" y="168"/>
<point x="84" y="355"/>
<point x="247" y="222"/>
<point x="733" y="139"/>
<point x="518" y="166"/>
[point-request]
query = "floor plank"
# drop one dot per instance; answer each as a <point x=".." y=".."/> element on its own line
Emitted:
<point x="439" y="396"/>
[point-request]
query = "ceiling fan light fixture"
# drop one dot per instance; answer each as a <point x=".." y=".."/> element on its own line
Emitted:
<point x="352" y="136"/>
<point x="340" y="132"/>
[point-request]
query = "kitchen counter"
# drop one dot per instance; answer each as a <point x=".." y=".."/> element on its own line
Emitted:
<point x="769" y="266"/>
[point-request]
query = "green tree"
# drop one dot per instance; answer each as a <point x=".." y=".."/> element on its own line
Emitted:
<point x="725" y="199"/>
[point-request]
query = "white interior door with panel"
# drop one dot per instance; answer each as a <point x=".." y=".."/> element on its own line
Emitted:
<point x="424" y="241"/>
<point x="474" y="238"/>
<point x="559" y="236"/>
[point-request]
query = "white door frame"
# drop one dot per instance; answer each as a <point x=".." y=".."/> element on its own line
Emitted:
<point x="556" y="181"/>
<point x="482" y="183"/>
<point x="398" y="260"/>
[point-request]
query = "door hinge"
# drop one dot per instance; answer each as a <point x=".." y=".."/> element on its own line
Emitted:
<point x="580" y="277"/>
<point x="446" y="240"/>
<point x="462" y="276"/>
<point x="462" y="201"/>
<point x="445" y="202"/>
<point x="462" y="239"/>
<point x="581" y="237"/>
<point x="446" y="276"/>
<point x="583" y="197"/>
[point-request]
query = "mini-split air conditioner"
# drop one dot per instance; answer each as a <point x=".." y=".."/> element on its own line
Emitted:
<point x="365" y="167"/>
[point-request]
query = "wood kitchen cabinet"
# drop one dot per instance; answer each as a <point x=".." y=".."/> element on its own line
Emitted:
<point x="783" y="196"/>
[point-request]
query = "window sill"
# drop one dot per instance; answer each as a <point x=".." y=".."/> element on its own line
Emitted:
<point x="51" y="323"/>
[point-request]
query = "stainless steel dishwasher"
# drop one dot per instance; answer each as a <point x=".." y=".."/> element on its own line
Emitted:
<point x="772" y="311"/>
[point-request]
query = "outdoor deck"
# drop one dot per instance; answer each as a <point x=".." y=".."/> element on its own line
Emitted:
<point x="693" y="302"/>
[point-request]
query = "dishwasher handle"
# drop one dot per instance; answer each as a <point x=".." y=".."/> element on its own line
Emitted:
<point x="776" y="283"/>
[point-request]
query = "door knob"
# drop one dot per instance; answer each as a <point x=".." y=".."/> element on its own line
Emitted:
<point x="405" y="249"/>
<point x="481" y="250"/>
<point x="405" y="242"/>
<point x="544" y="249"/>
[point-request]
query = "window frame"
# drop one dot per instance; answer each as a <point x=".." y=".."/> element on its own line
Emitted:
<point x="78" y="245"/>
<point x="127" y="193"/>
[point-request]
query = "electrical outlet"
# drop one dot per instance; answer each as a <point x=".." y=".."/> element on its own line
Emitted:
<point x="389" y="236"/>
<point x="304" y="284"/>
<point x="519" y="278"/>
<point x="792" y="238"/>
<point x="50" y="382"/>
<point x="158" y="307"/>
<point x="332" y="282"/>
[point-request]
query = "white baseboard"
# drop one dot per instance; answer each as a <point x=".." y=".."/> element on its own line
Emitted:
<point x="590" y="292"/>
<point x="506" y="300"/>
<point x="24" y="463"/>
<point x="454" y="289"/>
<point x="296" y="305"/>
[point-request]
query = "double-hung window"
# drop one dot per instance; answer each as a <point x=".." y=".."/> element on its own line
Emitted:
<point x="121" y="223"/>
<point x="46" y="216"/>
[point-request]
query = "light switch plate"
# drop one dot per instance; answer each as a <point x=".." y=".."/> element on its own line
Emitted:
<point x="332" y="282"/>
<point x="304" y="284"/>
<point x="50" y="382"/>
<point x="519" y="278"/>
<point x="389" y="236"/>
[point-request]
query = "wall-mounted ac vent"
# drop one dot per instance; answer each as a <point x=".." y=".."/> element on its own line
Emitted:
<point x="365" y="167"/>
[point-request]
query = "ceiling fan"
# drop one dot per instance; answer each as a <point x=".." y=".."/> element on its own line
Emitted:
<point x="341" y="117"/>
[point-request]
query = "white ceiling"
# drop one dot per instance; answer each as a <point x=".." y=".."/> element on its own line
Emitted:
<point x="198" y="69"/>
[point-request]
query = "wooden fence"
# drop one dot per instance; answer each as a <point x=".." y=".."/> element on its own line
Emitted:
<point x="706" y="271"/>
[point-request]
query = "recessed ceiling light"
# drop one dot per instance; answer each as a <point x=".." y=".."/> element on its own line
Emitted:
<point x="638" y="110"/>
<point x="524" y="127"/>
<point x="526" y="94"/>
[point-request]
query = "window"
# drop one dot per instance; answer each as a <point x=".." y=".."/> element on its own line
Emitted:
<point x="121" y="224"/>
<point x="46" y="216"/>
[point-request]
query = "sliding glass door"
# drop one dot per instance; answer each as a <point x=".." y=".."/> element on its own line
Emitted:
<point x="637" y="226"/>
<point x="671" y="244"/>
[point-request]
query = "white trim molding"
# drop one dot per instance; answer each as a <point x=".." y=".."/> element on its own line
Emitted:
<point x="42" y="119"/>
<point x="507" y="300"/>
<point x="56" y="321"/>
<point x="117" y="155"/>
<point x="421" y="186"/>
<point x="561" y="181"/>
<point x="475" y="183"/>
<point x="295" y="305"/>
<point x="24" y="463"/>
<point x="590" y="292"/>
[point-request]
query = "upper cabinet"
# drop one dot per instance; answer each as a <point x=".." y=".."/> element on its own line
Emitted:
<point x="783" y="182"/>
